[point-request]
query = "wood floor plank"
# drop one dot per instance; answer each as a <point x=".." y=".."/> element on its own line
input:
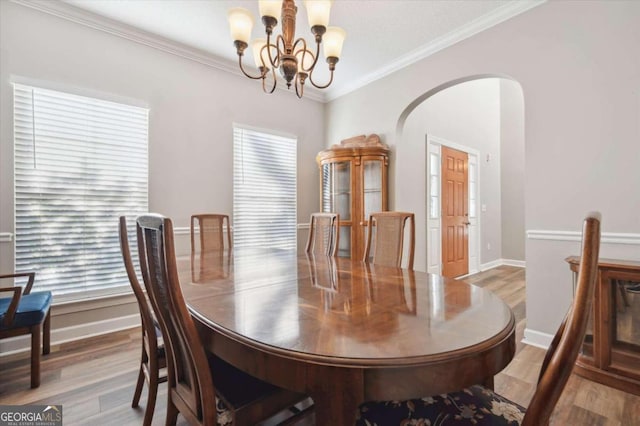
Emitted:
<point x="610" y="404"/>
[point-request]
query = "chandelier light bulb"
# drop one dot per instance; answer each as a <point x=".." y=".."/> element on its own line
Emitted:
<point x="240" y="24"/>
<point x="271" y="8"/>
<point x="332" y="41"/>
<point x="318" y="12"/>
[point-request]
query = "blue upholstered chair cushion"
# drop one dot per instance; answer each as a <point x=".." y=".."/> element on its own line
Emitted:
<point x="32" y="309"/>
<point x="476" y="405"/>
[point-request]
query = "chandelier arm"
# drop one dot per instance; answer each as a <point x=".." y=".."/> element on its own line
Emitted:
<point x="317" y="55"/>
<point x="263" y="73"/>
<point x="300" y="40"/>
<point x="305" y="51"/>
<point x="275" y="83"/>
<point x="275" y="63"/>
<point x="320" y="86"/>
<point x="299" y="83"/>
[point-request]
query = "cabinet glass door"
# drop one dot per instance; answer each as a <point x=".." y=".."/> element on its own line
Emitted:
<point x="336" y="197"/>
<point x="372" y="186"/>
<point x="626" y="314"/>
<point x="336" y="189"/>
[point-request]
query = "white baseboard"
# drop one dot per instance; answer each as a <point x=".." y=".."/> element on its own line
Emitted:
<point x="490" y="265"/>
<point x="516" y="263"/>
<point x="501" y="262"/>
<point x="537" y="338"/>
<point x="68" y="334"/>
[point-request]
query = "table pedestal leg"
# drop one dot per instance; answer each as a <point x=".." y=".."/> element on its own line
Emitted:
<point x="488" y="383"/>
<point x="337" y="401"/>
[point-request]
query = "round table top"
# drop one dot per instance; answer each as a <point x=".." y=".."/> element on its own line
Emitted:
<point x="339" y="311"/>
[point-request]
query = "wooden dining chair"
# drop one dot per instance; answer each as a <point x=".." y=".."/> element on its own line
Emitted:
<point x="153" y="361"/>
<point x="27" y="312"/>
<point x="478" y="405"/>
<point x="324" y="235"/>
<point x="385" y="238"/>
<point x="211" y="230"/>
<point x="205" y="389"/>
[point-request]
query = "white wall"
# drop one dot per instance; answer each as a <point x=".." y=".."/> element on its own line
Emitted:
<point x="467" y="114"/>
<point x="580" y="78"/>
<point x="512" y="170"/>
<point x="192" y="108"/>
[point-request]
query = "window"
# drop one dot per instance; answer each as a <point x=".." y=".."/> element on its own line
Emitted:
<point x="434" y="185"/>
<point x="79" y="163"/>
<point x="264" y="189"/>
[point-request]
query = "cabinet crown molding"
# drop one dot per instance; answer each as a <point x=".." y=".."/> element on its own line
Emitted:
<point x="360" y="141"/>
<point x="356" y="146"/>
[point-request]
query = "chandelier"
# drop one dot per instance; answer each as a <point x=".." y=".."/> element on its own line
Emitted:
<point x="295" y="60"/>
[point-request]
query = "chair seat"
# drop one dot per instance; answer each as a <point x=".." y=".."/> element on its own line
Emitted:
<point x="475" y="405"/>
<point x="32" y="309"/>
<point x="237" y="387"/>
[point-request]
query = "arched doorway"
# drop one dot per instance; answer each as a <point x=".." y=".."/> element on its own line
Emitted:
<point x="483" y="116"/>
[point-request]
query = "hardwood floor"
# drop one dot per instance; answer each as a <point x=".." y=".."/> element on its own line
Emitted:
<point x="94" y="379"/>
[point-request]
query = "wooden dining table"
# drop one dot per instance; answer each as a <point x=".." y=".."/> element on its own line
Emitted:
<point x="343" y="331"/>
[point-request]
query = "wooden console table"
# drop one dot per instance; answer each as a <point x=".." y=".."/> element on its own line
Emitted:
<point x="611" y="349"/>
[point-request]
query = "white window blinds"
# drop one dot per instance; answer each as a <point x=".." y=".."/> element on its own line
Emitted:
<point x="264" y="189"/>
<point x="79" y="163"/>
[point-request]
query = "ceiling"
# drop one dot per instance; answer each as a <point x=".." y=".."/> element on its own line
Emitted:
<point x="382" y="35"/>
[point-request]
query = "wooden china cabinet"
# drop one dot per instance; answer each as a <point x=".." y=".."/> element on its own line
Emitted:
<point x="611" y="349"/>
<point x="353" y="183"/>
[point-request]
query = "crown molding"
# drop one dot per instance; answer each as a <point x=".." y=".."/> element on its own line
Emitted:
<point x="119" y="29"/>
<point x="501" y="14"/>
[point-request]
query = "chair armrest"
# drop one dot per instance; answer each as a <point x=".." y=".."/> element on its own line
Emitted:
<point x="31" y="275"/>
<point x="13" y="305"/>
